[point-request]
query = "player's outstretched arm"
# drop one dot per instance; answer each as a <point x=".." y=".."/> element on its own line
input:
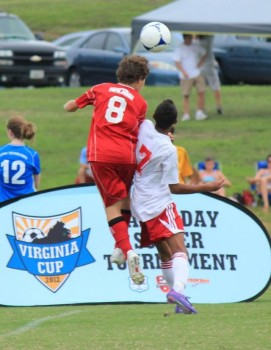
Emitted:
<point x="70" y="106"/>
<point x="187" y="189"/>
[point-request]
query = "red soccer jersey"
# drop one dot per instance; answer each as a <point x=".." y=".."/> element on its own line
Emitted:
<point x="118" y="112"/>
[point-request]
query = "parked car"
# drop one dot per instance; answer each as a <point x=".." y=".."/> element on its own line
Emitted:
<point x="244" y="59"/>
<point x="241" y="59"/>
<point x="65" y="41"/>
<point x="25" y="60"/>
<point x="94" y="59"/>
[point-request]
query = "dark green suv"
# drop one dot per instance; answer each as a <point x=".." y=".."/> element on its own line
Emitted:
<point x="25" y="60"/>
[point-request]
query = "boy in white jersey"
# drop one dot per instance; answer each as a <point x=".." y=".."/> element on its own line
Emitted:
<point x="151" y="202"/>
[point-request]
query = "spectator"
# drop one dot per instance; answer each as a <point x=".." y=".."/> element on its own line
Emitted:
<point x="84" y="174"/>
<point x="262" y="180"/>
<point x="19" y="164"/>
<point x="184" y="164"/>
<point x="210" y="70"/>
<point x="189" y="58"/>
<point x="119" y="109"/>
<point x="187" y="174"/>
<point x="210" y="174"/>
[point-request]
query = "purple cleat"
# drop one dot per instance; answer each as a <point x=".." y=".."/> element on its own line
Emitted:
<point x="181" y="301"/>
<point x="178" y="309"/>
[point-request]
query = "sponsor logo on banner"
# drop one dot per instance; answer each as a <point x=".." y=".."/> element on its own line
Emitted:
<point x="139" y="288"/>
<point x="49" y="247"/>
<point x="162" y="284"/>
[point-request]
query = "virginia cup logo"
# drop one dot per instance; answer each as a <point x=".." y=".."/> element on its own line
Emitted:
<point x="50" y="247"/>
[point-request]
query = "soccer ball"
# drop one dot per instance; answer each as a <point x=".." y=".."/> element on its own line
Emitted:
<point x="155" y="36"/>
<point x="32" y="233"/>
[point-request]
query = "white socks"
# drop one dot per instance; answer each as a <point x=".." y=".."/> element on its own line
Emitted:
<point x="176" y="272"/>
<point x="168" y="272"/>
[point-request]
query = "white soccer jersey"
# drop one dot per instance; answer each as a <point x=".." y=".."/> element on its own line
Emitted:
<point x="157" y="167"/>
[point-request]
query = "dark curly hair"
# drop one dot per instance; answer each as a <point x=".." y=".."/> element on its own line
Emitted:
<point x="165" y="114"/>
<point x="132" y="69"/>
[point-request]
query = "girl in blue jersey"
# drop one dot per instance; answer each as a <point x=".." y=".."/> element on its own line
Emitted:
<point x="19" y="164"/>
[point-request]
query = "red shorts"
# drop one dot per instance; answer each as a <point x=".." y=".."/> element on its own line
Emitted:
<point x="162" y="226"/>
<point x="113" y="180"/>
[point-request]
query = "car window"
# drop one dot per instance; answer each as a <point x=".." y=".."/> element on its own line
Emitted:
<point x="69" y="41"/>
<point x="243" y="38"/>
<point x="14" y="28"/>
<point x="113" y="41"/>
<point x="96" y="41"/>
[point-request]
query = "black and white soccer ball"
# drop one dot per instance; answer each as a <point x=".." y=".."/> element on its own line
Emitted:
<point x="155" y="36"/>
<point x="32" y="233"/>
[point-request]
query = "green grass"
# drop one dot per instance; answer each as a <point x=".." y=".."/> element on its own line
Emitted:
<point x="237" y="139"/>
<point x="54" y="18"/>
<point x="98" y="327"/>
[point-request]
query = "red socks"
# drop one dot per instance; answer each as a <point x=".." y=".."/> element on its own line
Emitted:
<point x="119" y="230"/>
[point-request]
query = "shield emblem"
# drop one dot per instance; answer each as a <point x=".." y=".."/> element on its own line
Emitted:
<point x="50" y="247"/>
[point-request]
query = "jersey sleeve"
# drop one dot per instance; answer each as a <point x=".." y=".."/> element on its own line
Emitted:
<point x="86" y="99"/>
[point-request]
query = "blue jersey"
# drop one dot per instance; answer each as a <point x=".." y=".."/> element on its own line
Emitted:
<point x="83" y="156"/>
<point x="18" y="164"/>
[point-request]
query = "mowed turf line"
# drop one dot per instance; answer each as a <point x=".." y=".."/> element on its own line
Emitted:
<point x="238" y="138"/>
<point x="242" y="326"/>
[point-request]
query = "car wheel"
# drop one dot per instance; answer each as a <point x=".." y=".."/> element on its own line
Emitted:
<point x="74" y="79"/>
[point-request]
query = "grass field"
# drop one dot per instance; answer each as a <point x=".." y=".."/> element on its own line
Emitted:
<point x="237" y="139"/>
<point x="240" y="326"/>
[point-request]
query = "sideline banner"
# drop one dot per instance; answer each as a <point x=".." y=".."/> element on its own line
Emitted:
<point x="55" y="247"/>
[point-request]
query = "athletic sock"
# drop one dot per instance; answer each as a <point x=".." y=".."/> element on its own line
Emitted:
<point x="126" y="213"/>
<point x="119" y="230"/>
<point x="168" y="272"/>
<point x="180" y="267"/>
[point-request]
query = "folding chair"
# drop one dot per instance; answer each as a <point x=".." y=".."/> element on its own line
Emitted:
<point x="201" y="165"/>
<point x="261" y="164"/>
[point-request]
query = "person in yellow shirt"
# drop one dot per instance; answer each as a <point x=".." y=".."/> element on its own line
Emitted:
<point x="186" y="172"/>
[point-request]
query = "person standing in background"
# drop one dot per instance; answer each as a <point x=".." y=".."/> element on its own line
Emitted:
<point x="19" y="164"/>
<point x="210" y="70"/>
<point x="189" y="58"/>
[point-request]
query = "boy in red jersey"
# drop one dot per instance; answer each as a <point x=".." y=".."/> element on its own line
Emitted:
<point x="119" y="109"/>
